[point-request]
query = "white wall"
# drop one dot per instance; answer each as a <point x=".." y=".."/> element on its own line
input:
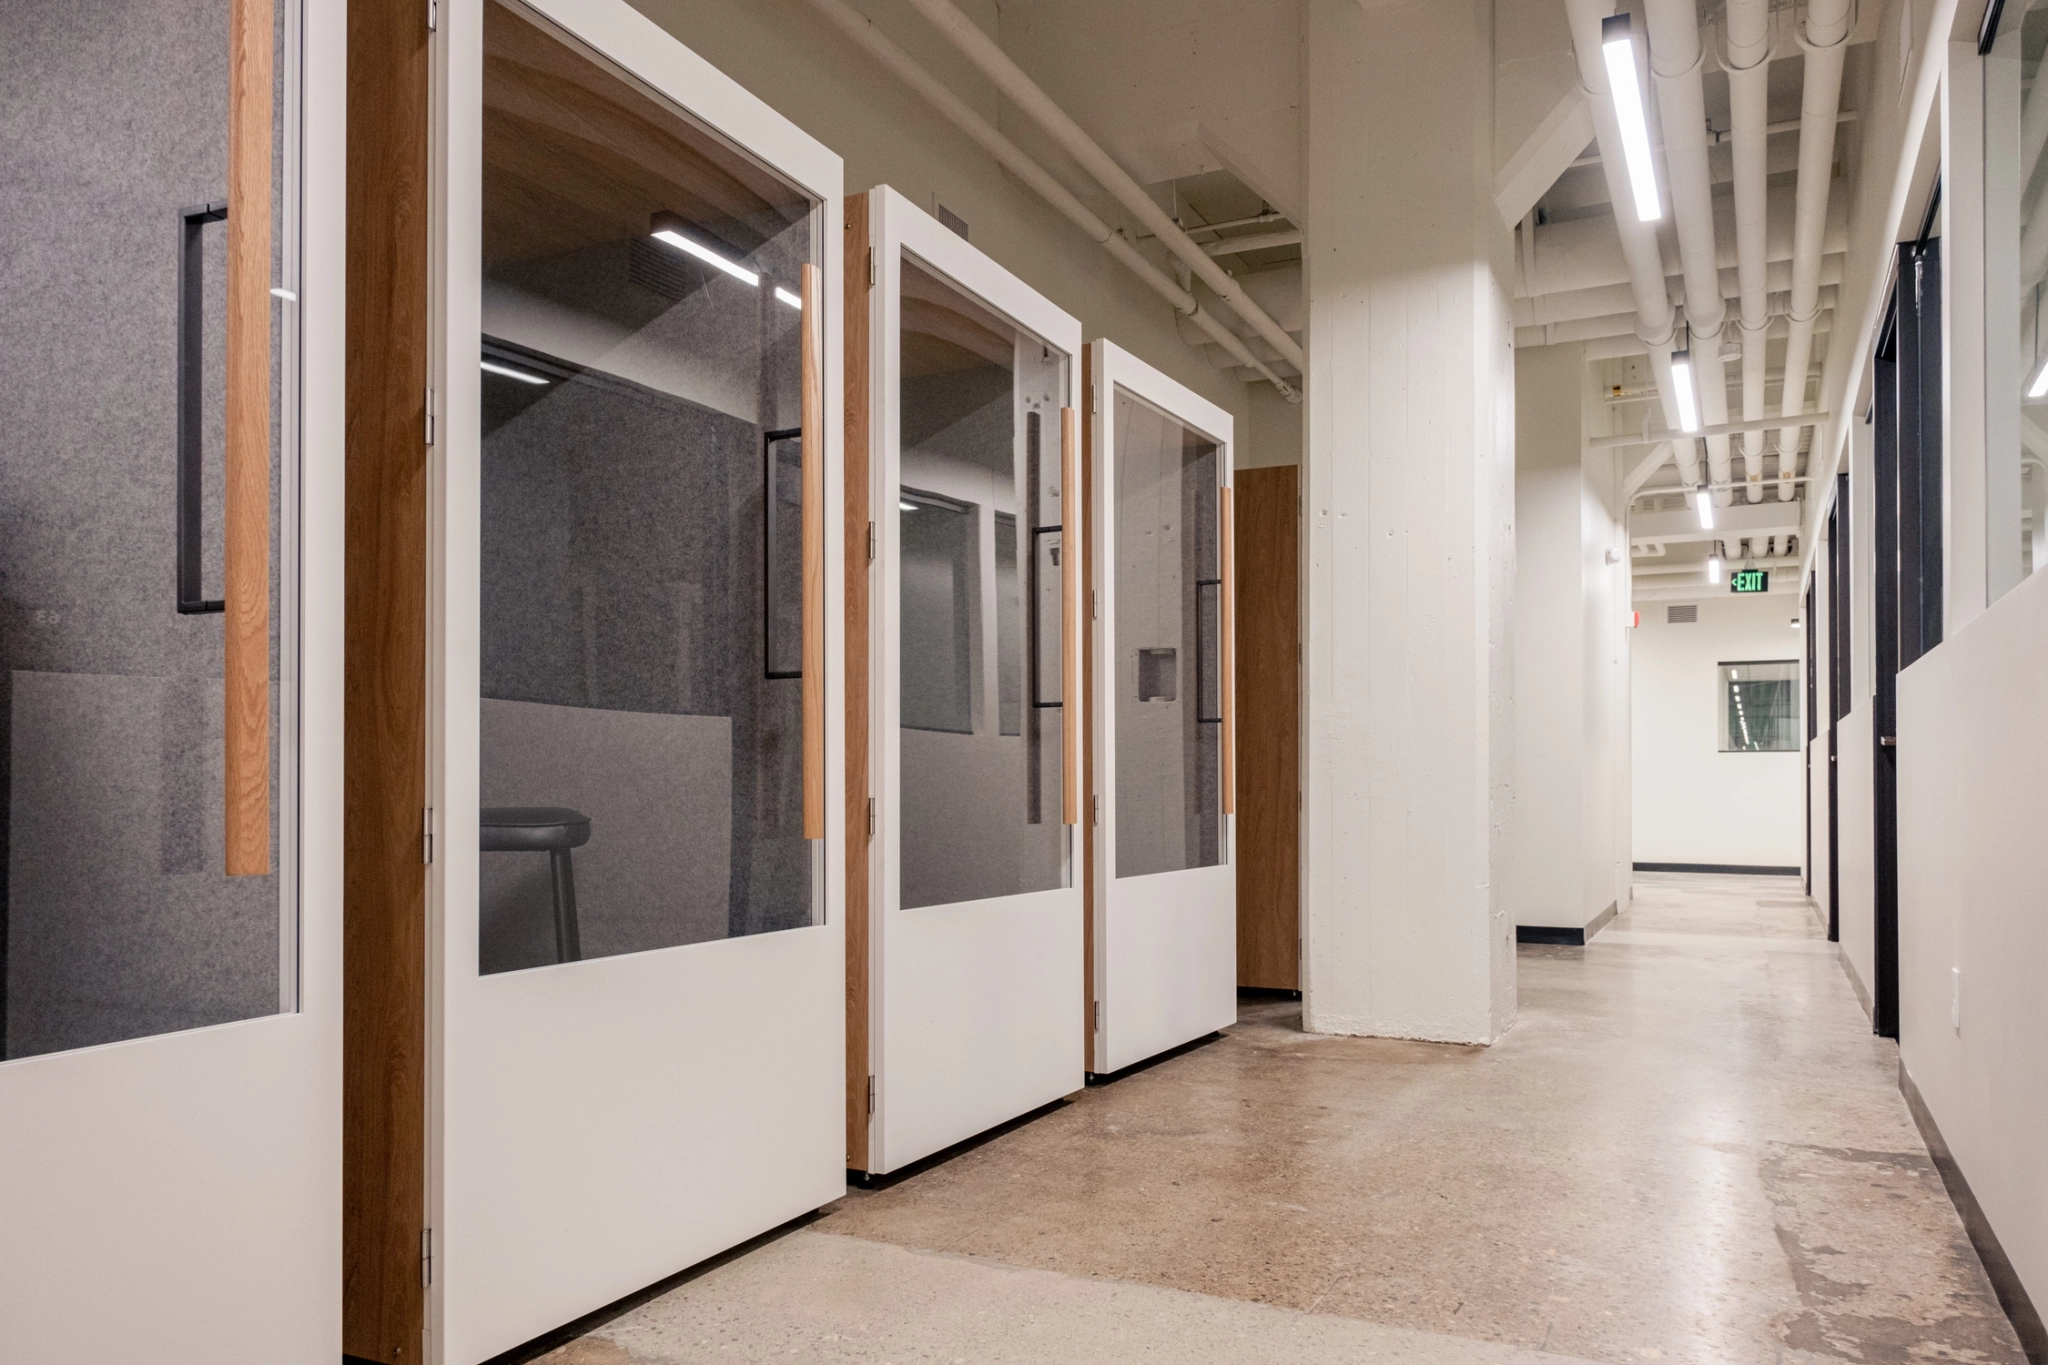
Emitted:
<point x="789" y="55"/>
<point x="1409" y="575"/>
<point x="1694" y="804"/>
<point x="1568" y="832"/>
<point x="1973" y="909"/>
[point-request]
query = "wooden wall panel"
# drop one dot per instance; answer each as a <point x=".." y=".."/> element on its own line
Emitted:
<point x="858" y="726"/>
<point x="384" y="943"/>
<point x="1269" y="728"/>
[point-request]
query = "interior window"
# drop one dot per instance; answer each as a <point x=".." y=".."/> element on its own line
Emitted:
<point x="1760" y="707"/>
<point x="1168" y="689"/>
<point x="979" y="509"/>
<point x="641" y="710"/>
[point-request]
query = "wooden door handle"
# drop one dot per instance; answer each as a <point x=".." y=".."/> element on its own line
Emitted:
<point x="1226" y="665"/>
<point x="812" y="443"/>
<point x="1071" y="577"/>
<point x="247" y="456"/>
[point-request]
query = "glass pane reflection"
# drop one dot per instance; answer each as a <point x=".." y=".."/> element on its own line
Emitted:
<point x="117" y="917"/>
<point x="979" y="512"/>
<point x="1168" y="684"/>
<point x="642" y="754"/>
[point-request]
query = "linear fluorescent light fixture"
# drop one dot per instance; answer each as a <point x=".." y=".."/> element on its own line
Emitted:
<point x="793" y="300"/>
<point x="1714" y="568"/>
<point x="1704" y="500"/>
<point x="1619" y="49"/>
<point x="692" y="247"/>
<point x="521" y="375"/>
<point x="1681" y="386"/>
<point x="2039" y="388"/>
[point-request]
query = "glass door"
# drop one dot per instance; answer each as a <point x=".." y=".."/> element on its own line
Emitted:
<point x="1163" y="914"/>
<point x="169" y="719"/>
<point x="974" y="968"/>
<point x="641" y="980"/>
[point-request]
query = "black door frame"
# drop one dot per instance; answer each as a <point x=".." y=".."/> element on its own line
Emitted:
<point x="1839" y="688"/>
<point x="1908" y="615"/>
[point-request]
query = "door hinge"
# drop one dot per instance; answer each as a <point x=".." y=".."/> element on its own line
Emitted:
<point x="1098" y="1016"/>
<point x="871" y="1094"/>
<point x="871" y="542"/>
<point x="426" y="1257"/>
<point x="1095" y="809"/>
<point x="871" y="267"/>
<point x="1094" y="606"/>
<point x="433" y="15"/>
<point x="871" y="817"/>
<point x="427" y="839"/>
<point x="1888" y="741"/>
<point x="430" y="416"/>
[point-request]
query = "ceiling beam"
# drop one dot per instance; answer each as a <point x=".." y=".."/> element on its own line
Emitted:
<point x="1805" y="419"/>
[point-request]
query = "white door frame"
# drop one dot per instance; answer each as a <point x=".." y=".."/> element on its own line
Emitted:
<point x="596" y="1126"/>
<point x="177" y="1198"/>
<point x="1165" y="946"/>
<point x="975" y="1007"/>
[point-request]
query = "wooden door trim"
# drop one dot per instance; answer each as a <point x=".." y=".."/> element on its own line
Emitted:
<point x="859" y="565"/>
<point x="385" y="693"/>
<point x="1268" y="670"/>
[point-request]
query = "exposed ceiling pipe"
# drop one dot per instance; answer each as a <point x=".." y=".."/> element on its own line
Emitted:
<point x="1748" y="63"/>
<point x="1826" y="42"/>
<point x="858" y="27"/>
<point x="1025" y="93"/>
<point x="1675" y="58"/>
<point x="1580" y="253"/>
<point x="1654" y="323"/>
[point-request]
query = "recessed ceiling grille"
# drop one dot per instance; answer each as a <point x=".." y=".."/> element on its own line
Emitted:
<point x="1682" y="614"/>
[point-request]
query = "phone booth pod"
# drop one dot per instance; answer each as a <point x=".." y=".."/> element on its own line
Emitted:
<point x="1162" y="852"/>
<point x="964" y="964"/>
<point x="636" y="952"/>
<point x="171" y="682"/>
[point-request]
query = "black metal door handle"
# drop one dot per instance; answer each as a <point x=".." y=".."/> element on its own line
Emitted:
<point x="771" y="461"/>
<point x="191" y="400"/>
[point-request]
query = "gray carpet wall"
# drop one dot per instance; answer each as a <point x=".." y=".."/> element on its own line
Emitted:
<point x="116" y="921"/>
<point x="622" y="580"/>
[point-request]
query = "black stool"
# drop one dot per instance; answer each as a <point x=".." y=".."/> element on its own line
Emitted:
<point x="552" y="830"/>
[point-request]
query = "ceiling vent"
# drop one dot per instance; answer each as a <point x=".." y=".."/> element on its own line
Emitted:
<point x="1685" y="614"/>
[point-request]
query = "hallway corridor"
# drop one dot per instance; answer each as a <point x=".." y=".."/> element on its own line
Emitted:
<point x="1688" y="1148"/>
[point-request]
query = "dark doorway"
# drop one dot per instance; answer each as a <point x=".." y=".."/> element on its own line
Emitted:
<point x="1907" y="537"/>
<point x="1839" y="690"/>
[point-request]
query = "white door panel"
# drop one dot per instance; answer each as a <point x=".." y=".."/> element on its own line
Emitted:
<point x="1165" y="858"/>
<point x="638" y="1023"/>
<point x="170" y="1019"/>
<point x="975" y="980"/>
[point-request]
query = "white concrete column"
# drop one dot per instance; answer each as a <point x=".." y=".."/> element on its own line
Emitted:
<point x="1410" y="506"/>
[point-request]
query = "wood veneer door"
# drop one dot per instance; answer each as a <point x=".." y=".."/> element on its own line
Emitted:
<point x="1269" y="728"/>
<point x="860" y="541"/>
<point x="385" y="939"/>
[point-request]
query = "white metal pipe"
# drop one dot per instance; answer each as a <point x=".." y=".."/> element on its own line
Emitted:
<point x="1748" y="25"/>
<point x="940" y="96"/>
<point x="1826" y="42"/>
<point x="1675" y="59"/>
<point x="994" y="63"/>
<point x="1654" y="319"/>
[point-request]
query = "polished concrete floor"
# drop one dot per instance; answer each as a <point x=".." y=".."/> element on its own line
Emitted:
<point x="1689" y="1148"/>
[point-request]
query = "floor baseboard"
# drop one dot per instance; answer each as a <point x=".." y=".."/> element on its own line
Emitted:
<point x="2005" y="1281"/>
<point x="1737" y="869"/>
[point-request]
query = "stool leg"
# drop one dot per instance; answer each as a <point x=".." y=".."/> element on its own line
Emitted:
<point x="568" y="946"/>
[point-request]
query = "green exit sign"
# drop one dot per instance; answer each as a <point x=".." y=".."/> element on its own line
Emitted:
<point x="1750" y="580"/>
